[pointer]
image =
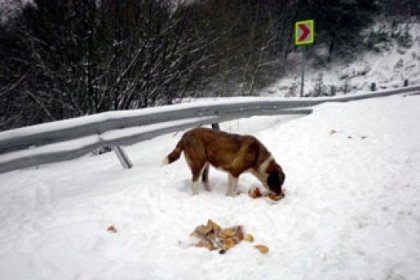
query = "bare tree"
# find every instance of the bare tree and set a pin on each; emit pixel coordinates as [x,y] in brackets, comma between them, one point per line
[83,56]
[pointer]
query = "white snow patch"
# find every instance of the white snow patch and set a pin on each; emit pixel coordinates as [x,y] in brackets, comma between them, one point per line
[352,209]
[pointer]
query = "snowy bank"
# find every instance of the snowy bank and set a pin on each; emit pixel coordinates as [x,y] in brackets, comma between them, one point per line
[388,69]
[352,209]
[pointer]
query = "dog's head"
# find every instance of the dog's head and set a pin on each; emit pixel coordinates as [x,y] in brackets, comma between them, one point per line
[275,177]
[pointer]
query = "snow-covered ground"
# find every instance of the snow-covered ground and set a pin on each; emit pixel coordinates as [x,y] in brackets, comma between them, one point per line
[388,69]
[352,209]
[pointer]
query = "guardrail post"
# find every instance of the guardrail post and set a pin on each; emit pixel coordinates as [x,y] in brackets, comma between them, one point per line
[122,156]
[215,126]
[333,90]
[373,87]
[346,87]
[405,83]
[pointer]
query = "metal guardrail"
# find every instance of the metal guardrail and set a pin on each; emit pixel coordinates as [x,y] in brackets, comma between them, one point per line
[14,144]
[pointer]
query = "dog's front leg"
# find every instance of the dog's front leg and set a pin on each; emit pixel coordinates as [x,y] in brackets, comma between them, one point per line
[232,185]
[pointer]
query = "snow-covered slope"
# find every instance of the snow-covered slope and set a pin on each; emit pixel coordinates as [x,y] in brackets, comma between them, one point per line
[352,209]
[388,69]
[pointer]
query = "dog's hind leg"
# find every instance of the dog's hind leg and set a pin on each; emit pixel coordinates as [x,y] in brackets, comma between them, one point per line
[205,177]
[194,186]
[197,172]
[232,185]
[195,156]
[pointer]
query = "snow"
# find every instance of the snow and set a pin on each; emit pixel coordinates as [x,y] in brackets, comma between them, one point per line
[388,69]
[9,8]
[352,209]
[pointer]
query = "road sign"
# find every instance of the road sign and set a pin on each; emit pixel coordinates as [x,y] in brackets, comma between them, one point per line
[304,32]
[304,35]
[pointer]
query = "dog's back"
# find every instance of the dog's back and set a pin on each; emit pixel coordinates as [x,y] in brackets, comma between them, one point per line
[230,152]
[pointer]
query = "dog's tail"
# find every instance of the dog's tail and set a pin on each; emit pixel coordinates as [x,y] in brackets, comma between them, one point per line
[174,155]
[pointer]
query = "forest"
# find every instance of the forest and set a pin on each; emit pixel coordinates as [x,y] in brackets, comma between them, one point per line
[68,58]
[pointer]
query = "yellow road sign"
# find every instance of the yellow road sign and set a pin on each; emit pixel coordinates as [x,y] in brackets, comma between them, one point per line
[304,32]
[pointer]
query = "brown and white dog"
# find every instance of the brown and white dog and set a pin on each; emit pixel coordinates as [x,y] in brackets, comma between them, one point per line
[232,153]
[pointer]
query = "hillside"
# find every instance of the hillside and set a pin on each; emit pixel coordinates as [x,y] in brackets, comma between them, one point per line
[388,67]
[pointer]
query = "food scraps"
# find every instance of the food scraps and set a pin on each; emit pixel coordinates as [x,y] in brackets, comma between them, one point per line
[273,197]
[112,229]
[248,237]
[213,237]
[262,248]
[255,193]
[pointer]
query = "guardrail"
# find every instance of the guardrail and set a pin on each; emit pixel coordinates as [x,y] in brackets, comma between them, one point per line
[68,139]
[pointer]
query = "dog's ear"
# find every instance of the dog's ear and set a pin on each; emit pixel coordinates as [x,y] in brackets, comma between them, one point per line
[273,167]
[275,180]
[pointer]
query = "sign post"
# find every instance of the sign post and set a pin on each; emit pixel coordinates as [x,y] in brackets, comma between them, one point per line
[304,35]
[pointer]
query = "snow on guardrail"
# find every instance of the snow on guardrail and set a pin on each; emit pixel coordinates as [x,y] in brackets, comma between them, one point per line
[67,139]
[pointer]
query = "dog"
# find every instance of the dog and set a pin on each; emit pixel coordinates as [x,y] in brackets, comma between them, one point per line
[232,153]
